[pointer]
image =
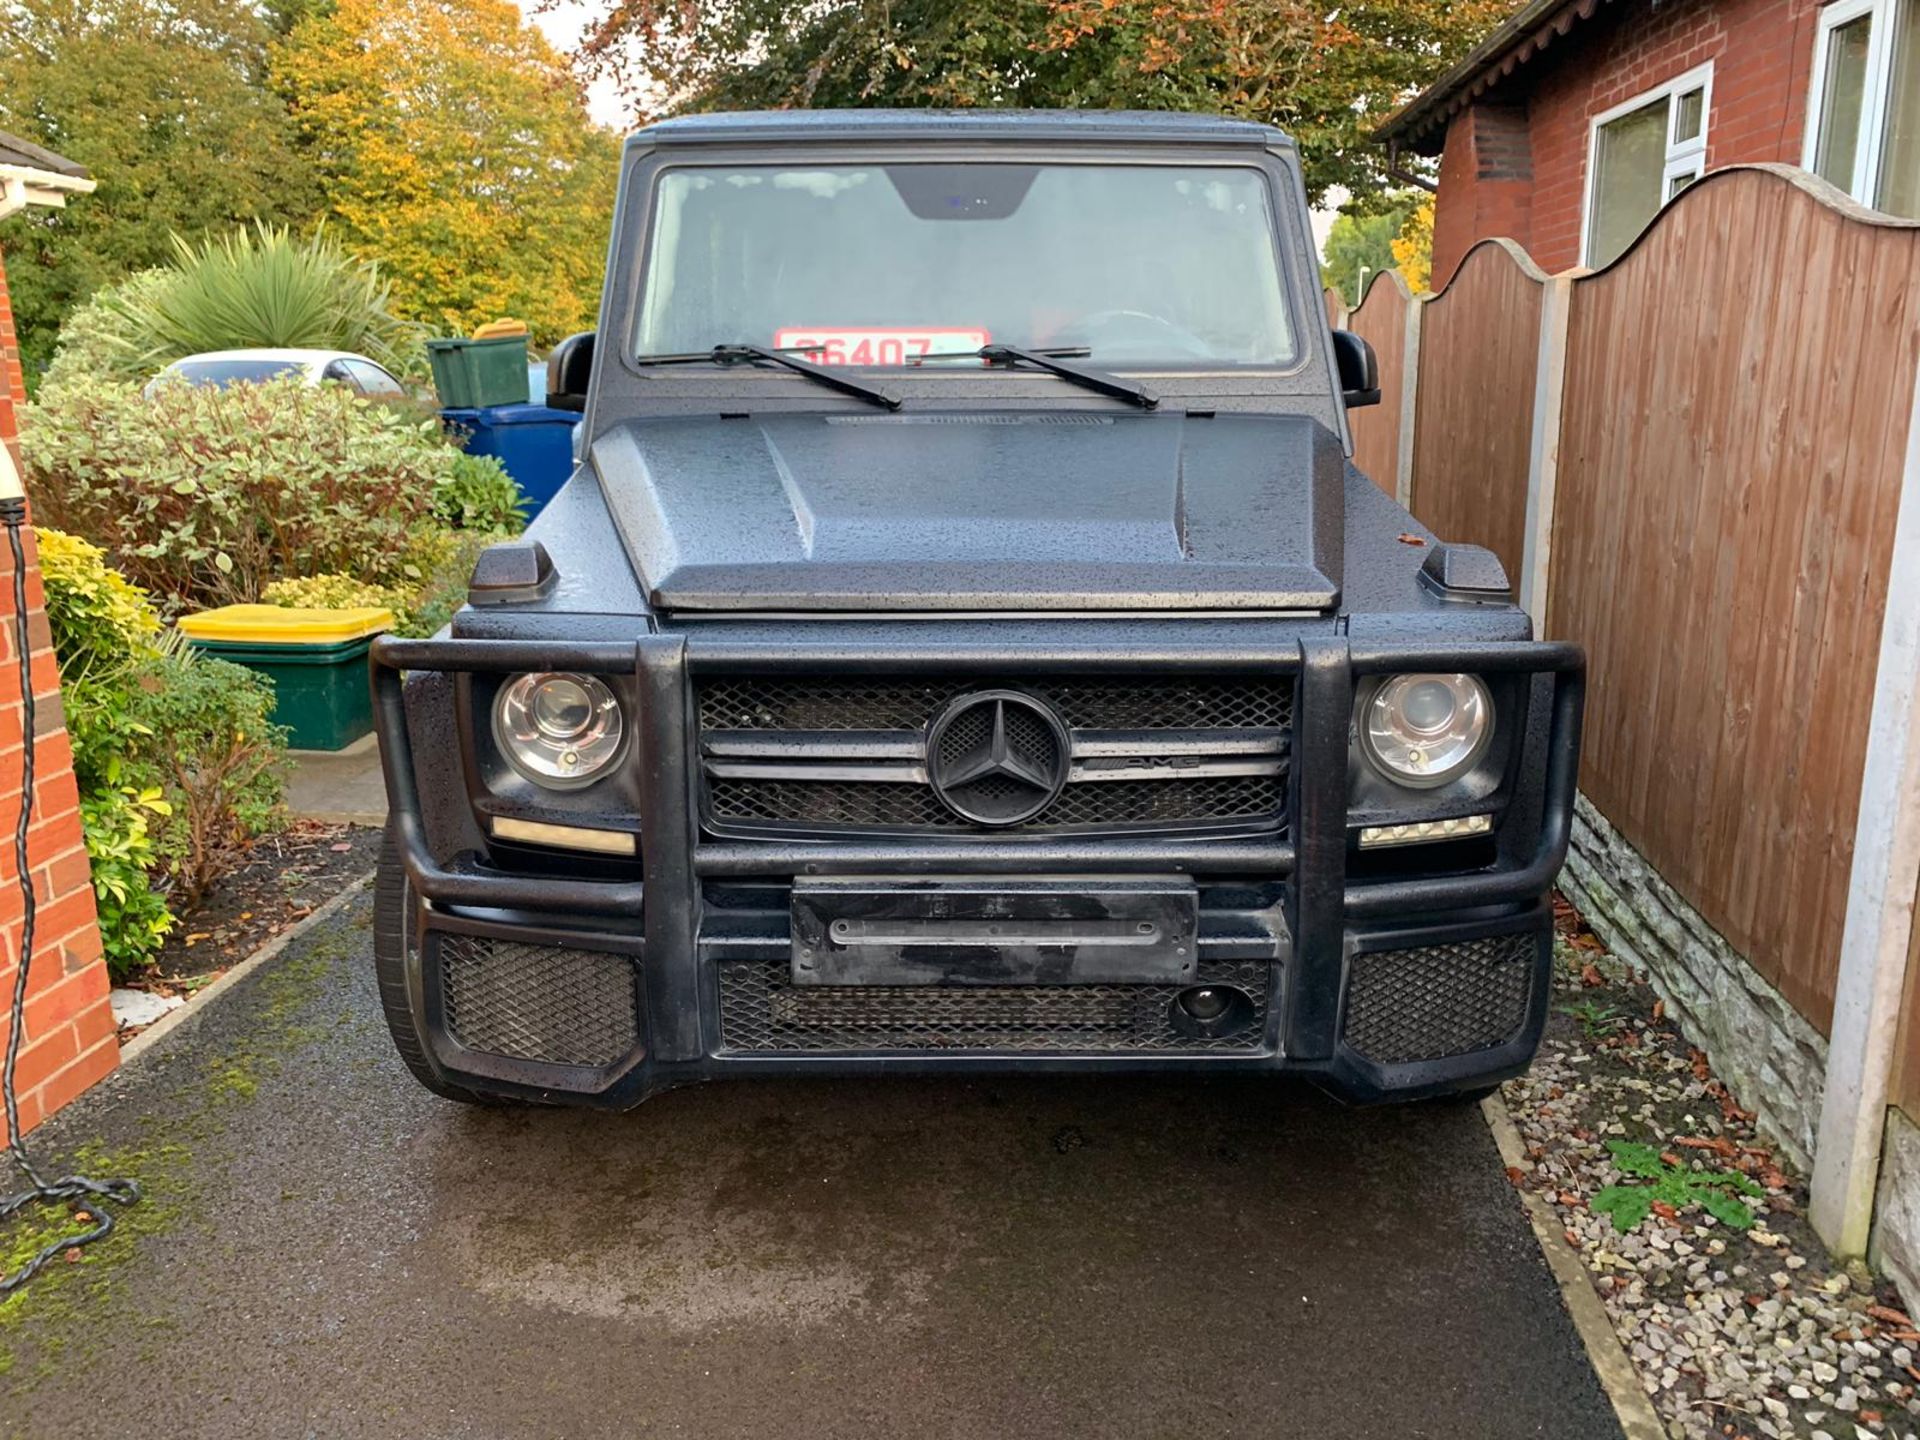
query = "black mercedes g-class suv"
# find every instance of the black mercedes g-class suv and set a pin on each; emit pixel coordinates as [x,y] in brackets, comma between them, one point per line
[966,645]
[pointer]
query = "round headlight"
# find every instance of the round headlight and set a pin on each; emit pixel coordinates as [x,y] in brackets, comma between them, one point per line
[1424,730]
[558,729]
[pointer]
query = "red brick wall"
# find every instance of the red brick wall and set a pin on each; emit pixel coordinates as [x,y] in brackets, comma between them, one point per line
[1762,54]
[68,1040]
[1486,183]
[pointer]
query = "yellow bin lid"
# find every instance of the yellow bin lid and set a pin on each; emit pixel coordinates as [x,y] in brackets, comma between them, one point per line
[284,625]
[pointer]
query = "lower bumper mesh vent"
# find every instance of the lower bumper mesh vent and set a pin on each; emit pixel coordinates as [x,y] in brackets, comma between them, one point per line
[761,1010]
[544,1003]
[1441,1000]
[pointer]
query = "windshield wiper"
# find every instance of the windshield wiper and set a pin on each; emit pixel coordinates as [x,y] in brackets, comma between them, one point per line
[746,354]
[1053,358]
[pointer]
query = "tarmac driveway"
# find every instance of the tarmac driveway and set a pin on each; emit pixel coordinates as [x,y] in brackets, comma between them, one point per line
[330,1251]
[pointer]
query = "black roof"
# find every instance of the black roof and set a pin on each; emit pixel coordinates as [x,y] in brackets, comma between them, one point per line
[1124,126]
[29,156]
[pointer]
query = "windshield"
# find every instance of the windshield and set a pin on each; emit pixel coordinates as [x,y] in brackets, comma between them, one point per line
[223,373]
[875,265]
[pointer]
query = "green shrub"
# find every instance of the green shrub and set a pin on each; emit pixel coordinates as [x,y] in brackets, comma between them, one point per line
[264,287]
[437,563]
[105,631]
[340,592]
[134,918]
[203,496]
[440,563]
[214,753]
[101,622]
[176,760]
[97,339]
[102,731]
[479,494]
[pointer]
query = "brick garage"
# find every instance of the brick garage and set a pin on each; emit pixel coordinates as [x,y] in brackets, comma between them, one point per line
[68,1039]
[1510,125]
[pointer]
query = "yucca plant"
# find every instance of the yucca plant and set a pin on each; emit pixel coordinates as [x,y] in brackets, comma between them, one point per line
[266,287]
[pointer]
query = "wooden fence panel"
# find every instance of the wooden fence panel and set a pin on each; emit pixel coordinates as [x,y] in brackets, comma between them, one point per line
[1336,308]
[1732,436]
[1381,320]
[1479,347]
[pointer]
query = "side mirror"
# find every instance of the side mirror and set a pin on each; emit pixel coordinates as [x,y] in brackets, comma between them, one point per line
[1359,369]
[570,372]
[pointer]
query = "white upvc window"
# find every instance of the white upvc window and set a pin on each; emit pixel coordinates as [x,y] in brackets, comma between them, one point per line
[1639,156]
[1863,106]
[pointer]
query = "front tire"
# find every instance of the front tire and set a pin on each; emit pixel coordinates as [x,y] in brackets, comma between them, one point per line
[393,905]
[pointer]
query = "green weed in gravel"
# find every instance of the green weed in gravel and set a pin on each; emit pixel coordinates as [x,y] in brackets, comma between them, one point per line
[1714,1191]
[1595,1019]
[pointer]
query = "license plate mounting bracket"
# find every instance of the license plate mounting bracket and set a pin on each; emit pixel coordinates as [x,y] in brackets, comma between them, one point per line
[964,930]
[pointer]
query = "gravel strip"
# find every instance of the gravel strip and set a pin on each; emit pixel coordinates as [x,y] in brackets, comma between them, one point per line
[1735,1332]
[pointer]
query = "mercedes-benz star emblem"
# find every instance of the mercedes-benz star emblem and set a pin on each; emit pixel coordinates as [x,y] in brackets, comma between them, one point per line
[998,757]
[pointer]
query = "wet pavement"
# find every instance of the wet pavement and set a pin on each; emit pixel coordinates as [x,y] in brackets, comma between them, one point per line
[339,785]
[332,1252]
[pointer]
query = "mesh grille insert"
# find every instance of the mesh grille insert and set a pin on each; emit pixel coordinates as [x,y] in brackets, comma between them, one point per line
[1162,703]
[1425,1004]
[1095,804]
[762,1011]
[828,802]
[538,1002]
[1142,802]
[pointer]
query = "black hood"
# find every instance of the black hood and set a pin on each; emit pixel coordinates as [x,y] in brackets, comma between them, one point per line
[994,511]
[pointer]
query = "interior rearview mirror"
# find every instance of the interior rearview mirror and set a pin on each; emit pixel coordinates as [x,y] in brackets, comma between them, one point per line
[569,371]
[1359,369]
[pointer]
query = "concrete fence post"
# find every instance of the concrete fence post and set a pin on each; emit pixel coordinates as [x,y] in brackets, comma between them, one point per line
[1878,932]
[1409,403]
[1543,450]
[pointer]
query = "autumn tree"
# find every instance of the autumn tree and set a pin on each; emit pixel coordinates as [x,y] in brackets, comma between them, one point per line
[1327,74]
[1360,246]
[455,149]
[165,102]
[1413,248]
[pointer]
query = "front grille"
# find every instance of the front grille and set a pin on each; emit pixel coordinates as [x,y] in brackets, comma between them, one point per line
[545,1003]
[762,1011]
[1159,726]
[1163,703]
[1441,1000]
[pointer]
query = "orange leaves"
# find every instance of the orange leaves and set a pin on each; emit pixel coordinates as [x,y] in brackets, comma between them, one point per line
[1753,1160]
[1413,248]
[459,155]
[1719,1144]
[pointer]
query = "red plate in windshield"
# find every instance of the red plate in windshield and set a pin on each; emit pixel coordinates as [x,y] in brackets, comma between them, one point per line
[865,346]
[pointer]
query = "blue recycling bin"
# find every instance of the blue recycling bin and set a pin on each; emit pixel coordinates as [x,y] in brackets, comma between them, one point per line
[534,442]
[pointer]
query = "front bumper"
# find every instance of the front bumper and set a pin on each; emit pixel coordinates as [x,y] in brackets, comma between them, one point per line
[1376,987]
